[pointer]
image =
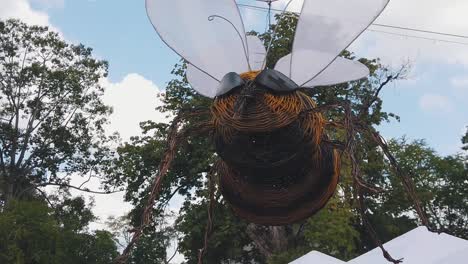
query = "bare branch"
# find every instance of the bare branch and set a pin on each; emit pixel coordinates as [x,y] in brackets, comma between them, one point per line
[63,185]
[173,255]
[209,223]
[390,78]
[85,182]
[45,197]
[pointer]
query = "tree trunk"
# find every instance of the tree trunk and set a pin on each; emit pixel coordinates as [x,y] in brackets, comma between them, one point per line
[271,240]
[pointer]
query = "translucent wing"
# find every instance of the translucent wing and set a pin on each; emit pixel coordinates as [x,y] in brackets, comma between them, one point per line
[201,82]
[208,86]
[340,71]
[325,29]
[257,53]
[207,33]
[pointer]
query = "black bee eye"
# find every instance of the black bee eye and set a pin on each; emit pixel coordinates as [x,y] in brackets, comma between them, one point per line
[229,82]
[276,81]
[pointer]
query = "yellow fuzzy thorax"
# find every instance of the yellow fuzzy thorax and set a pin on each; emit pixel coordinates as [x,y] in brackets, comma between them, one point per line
[249,76]
[269,113]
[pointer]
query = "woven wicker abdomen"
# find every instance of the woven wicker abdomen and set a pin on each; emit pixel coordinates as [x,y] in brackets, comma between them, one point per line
[275,169]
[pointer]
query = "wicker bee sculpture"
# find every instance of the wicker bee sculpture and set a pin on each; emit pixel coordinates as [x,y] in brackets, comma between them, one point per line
[275,167]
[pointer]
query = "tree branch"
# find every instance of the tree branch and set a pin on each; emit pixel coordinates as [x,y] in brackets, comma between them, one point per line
[62,185]
[45,197]
[32,118]
[173,255]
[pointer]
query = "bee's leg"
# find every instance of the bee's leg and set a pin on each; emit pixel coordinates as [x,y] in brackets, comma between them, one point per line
[407,181]
[344,147]
[369,227]
[352,125]
[176,137]
[209,223]
[350,149]
[321,109]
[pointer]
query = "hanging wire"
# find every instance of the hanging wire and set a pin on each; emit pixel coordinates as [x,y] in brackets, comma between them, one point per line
[422,31]
[268,16]
[418,37]
[274,34]
[267,22]
[263,9]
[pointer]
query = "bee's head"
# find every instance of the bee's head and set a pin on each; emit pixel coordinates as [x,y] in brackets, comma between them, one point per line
[250,84]
[247,92]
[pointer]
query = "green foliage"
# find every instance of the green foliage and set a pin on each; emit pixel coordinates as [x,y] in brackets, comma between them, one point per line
[465,140]
[27,233]
[229,241]
[30,233]
[440,182]
[332,230]
[289,256]
[152,247]
[51,111]
[282,41]
[51,127]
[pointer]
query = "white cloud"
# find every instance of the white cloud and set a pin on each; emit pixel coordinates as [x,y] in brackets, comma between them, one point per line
[461,82]
[460,87]
[22,9]
[435,103]
[443,16]
[49,3]
[294,6]
[134,100]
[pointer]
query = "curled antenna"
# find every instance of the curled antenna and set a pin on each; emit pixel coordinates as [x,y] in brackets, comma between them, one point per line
[274,33]
[246,52]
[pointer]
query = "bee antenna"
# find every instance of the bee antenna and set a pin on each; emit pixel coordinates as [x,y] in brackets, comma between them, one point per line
[274,34]
[246,53]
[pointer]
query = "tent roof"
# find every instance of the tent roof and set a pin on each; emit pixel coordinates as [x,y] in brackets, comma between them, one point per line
[317,257]
[419,246]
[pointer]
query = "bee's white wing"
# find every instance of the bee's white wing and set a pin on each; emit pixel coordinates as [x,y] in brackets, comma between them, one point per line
[207,33]
[201,82]
[208,86]
[340,71]
[257,53]
[325,28]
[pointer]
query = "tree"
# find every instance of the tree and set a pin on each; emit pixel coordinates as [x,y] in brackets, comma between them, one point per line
[465,140]
[51,112]
[32,232]
[440,182]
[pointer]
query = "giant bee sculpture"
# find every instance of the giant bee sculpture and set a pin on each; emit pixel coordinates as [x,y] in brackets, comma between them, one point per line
[275,167]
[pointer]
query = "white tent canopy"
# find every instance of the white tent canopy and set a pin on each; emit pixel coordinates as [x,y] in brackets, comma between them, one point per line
[317,257]
[418,246]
